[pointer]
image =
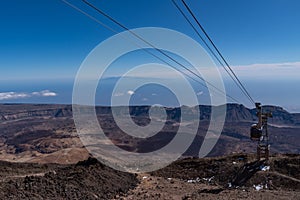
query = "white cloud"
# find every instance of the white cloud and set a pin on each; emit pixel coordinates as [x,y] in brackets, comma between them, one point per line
[199,93]
[44,93]
[118,94]
[130,92]
[13,95]
[47,93]
[21,95]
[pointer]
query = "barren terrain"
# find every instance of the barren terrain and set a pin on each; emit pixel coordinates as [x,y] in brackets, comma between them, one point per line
[46,133]
[43,157]
[189,178]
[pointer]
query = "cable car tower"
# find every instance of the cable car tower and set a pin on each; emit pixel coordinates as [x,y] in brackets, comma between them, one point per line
[259,132]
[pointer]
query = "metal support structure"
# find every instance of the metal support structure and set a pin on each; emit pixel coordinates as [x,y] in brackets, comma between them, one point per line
[263,146]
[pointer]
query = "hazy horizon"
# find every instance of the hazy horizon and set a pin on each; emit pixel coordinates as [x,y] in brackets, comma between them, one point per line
[60,92]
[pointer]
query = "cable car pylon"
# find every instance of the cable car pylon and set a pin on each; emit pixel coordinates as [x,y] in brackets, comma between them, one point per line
[259,132]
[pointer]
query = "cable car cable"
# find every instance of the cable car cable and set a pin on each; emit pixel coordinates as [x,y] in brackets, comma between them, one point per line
[203,30]
[113,30]
[206,44]
[159,50]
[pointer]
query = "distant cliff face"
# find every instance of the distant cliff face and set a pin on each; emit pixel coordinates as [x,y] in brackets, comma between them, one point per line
[235,112]
[22,111]
[59,112]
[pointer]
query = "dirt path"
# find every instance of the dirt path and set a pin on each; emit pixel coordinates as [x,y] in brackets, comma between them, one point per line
[285,176]
[152,187]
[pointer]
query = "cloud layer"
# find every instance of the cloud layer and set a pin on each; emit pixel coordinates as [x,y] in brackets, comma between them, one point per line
[22,95]
[267,70]
[270,71]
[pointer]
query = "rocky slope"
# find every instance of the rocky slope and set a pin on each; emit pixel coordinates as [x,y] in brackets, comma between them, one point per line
[212,178]
[88,179]
[189,178]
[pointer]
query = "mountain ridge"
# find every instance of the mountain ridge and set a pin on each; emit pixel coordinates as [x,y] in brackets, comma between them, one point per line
[235,112]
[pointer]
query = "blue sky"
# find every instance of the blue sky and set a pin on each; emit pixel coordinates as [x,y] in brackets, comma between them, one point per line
[43,41]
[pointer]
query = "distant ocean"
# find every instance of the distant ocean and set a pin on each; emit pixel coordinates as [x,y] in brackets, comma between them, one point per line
[280,93]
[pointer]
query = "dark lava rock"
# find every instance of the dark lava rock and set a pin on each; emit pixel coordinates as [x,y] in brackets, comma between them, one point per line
[85,180]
